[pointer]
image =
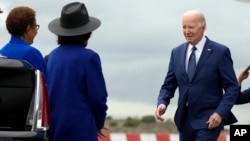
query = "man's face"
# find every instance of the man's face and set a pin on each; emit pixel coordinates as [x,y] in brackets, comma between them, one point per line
[193,30]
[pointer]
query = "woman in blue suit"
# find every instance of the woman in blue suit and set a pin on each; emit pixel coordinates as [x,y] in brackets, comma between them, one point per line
[77,91]
[23,28]
[202,70]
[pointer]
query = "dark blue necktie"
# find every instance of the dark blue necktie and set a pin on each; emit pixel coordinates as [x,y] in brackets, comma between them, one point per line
[191,64]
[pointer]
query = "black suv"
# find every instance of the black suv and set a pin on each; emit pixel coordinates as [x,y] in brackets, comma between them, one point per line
[24,105]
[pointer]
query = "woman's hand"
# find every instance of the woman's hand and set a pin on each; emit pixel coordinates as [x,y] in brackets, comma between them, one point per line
[243,75]
[103,132]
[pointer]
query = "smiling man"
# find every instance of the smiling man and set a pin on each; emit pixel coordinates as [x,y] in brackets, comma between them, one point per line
[203,72]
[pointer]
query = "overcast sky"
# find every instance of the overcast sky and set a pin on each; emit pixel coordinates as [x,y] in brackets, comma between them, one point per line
[135,40]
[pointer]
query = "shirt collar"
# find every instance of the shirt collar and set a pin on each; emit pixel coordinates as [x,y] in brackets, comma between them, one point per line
[199,46]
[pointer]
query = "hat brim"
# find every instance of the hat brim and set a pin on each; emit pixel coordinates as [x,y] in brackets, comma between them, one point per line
[56,28]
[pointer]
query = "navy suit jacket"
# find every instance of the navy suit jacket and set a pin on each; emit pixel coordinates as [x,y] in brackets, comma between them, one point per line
[213,88]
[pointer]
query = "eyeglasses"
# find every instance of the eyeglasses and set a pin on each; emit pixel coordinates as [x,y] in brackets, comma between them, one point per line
[37,26]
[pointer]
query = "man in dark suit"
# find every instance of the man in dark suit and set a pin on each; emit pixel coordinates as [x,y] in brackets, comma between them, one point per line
[207,89]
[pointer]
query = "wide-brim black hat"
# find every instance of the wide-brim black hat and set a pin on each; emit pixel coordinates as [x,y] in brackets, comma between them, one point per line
[74,21]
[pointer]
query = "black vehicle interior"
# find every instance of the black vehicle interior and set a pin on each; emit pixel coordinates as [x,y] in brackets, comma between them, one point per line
[16,90]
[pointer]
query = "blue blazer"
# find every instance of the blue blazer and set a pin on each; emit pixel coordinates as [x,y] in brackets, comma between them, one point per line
[17,48]
[213,88]
[77,93]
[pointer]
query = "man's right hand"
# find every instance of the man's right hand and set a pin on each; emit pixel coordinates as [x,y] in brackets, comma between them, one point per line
[160,110]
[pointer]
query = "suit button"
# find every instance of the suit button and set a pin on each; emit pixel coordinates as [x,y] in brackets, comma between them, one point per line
[190,85]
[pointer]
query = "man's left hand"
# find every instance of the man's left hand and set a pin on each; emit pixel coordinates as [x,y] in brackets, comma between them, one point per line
[214,120]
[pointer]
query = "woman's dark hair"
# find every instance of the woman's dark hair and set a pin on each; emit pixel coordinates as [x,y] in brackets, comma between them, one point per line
[79,39]
[18,19]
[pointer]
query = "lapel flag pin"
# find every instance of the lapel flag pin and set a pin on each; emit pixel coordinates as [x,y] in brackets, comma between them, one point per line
[208,49]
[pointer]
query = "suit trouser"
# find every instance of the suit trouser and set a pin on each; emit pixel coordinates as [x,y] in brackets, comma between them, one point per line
[187,133]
